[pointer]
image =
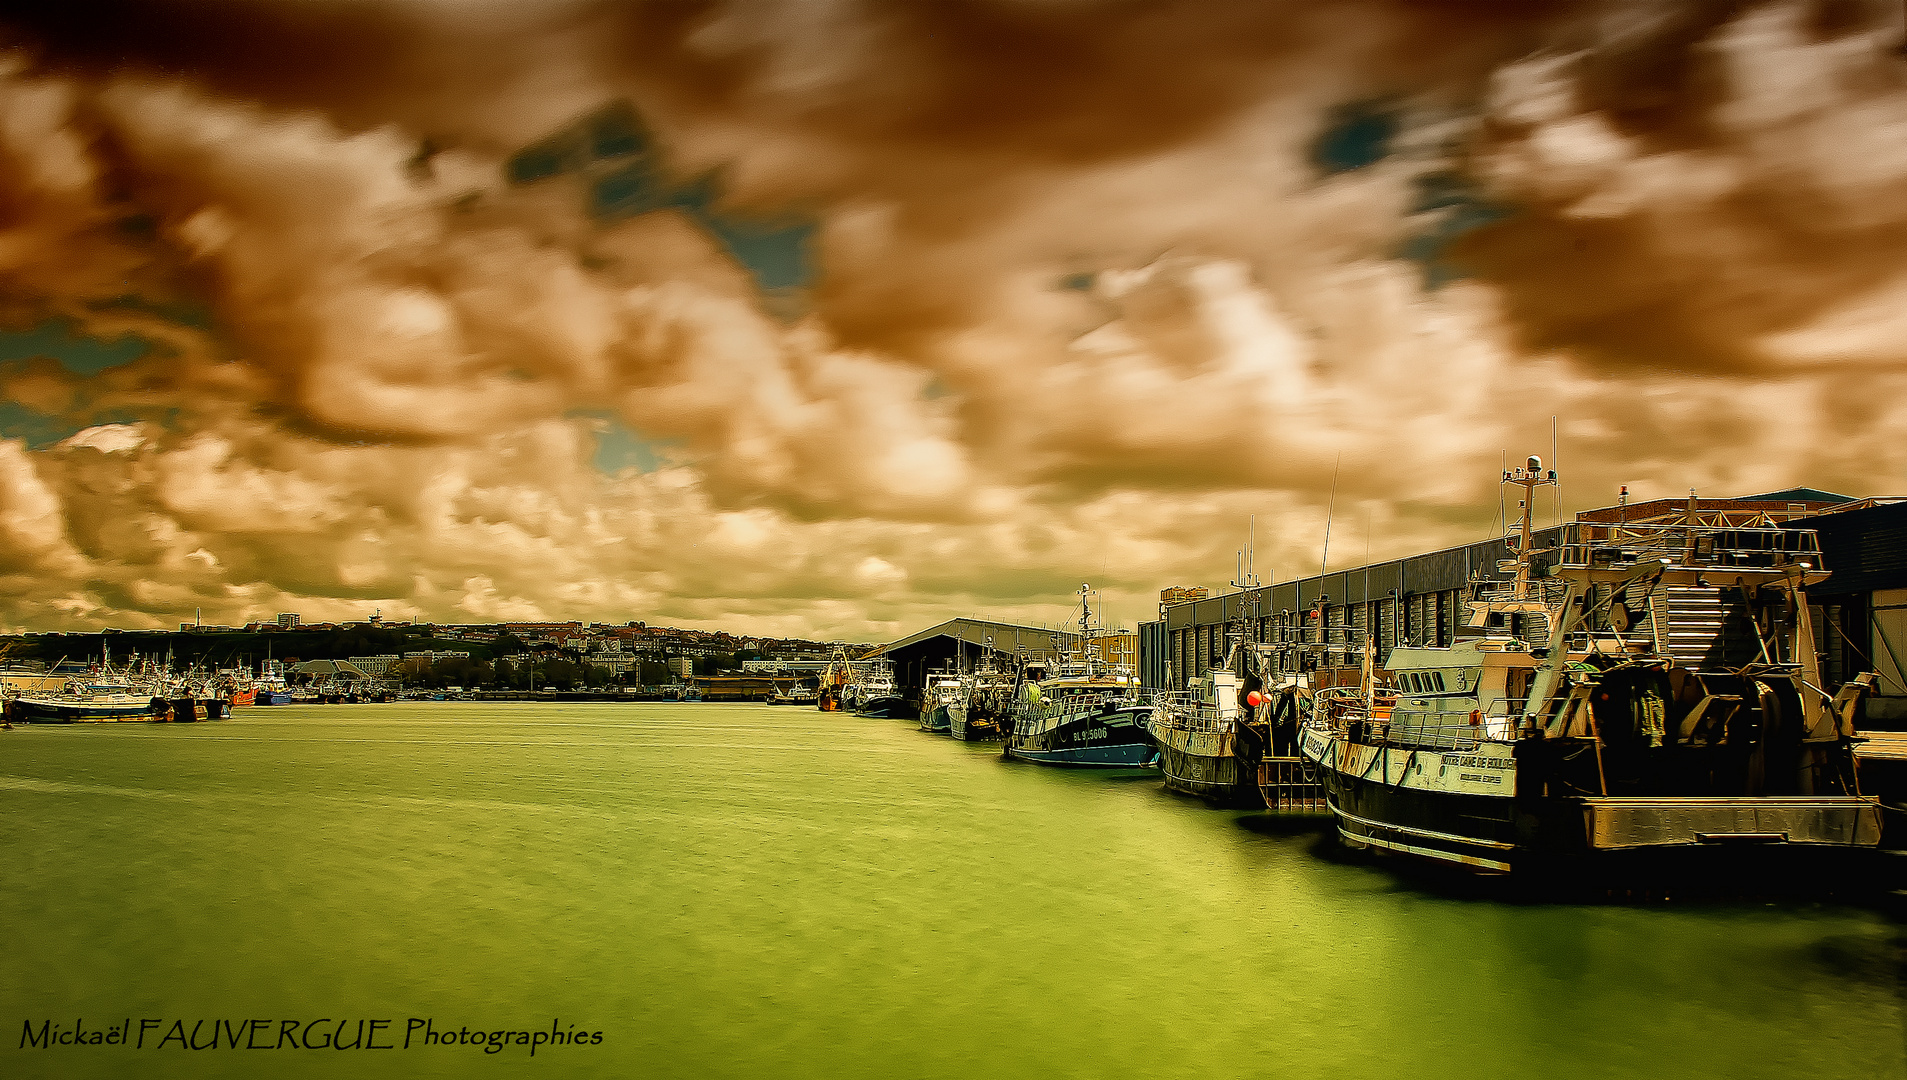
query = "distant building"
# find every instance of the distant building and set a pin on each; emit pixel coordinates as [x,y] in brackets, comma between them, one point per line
[287,620]
[1179,594]
[682,665]
[792,667]
[375,666]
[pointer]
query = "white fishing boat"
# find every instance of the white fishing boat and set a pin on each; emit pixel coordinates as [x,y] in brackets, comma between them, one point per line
[1636,693]
[943,692]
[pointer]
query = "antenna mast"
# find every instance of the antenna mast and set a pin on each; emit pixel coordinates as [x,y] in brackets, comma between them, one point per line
[1324,560]
[1529,478]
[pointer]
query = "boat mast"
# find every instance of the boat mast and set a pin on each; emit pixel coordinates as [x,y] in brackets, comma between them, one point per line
[1529,479]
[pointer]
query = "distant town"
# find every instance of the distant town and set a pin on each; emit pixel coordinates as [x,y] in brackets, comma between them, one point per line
[503,656]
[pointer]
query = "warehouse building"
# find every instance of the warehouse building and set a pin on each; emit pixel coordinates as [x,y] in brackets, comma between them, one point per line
[1861,609]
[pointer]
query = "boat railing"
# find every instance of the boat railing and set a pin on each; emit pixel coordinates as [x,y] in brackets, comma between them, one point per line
[1187,712]
[1614,545]
[1496,722]
[1049,706]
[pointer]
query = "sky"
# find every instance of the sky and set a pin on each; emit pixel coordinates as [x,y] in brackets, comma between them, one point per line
[837,318]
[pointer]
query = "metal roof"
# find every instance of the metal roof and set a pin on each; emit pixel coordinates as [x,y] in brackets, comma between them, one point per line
[1008,638]
[330,667]
[1799,494]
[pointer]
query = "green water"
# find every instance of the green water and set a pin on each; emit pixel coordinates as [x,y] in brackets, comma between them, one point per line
[744,891]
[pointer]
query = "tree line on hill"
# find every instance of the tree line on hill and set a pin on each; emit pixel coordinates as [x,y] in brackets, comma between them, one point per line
[485,667]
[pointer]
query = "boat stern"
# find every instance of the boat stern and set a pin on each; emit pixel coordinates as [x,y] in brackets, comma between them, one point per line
[1626,824]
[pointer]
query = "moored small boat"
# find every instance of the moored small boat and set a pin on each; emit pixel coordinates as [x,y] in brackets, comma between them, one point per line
[1208,745]
[1081,712]
[81,707]
[942,691]
[983,710]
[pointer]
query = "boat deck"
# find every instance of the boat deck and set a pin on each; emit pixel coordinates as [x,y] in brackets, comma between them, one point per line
[1883,746]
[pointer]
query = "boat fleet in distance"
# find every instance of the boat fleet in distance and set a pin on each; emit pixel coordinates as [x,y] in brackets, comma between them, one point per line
[145,691]
[1083,709]
[1559,732]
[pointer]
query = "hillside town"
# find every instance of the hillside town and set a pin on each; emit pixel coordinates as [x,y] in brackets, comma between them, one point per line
[396,655]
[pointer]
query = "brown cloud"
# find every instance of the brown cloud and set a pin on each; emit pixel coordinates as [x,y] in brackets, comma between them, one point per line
[1695,182]
[393,395]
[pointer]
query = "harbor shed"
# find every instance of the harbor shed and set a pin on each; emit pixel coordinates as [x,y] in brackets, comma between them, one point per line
[962,642]
[1419,599]
[1863,603]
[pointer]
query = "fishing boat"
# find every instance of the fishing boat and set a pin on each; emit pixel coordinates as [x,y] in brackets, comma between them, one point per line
[831,692]
[237,688]
[874,692]
[100,694]
[981,712]
[78,705]
[1082,711]
[1633,695]
[1208,743]
[271,688]
[944,690]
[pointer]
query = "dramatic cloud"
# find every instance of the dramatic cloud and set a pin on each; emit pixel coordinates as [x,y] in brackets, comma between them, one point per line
[839,318]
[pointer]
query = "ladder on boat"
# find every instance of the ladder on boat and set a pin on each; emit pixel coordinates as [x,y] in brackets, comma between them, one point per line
[1706,628]
[1290,786]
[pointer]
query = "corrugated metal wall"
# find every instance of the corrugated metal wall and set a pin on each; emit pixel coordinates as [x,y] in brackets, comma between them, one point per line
[1415,599]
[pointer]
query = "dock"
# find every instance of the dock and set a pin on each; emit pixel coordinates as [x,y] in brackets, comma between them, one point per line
[1880,764]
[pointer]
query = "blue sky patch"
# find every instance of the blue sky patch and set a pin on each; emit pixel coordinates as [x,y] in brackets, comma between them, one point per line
[1459,207]
[37,428]
[619,446]
[775,252]
[616,158]
[1358,135]
[77,353]
[41,430]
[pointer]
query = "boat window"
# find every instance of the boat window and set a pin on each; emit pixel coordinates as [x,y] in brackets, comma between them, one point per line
[1436,679]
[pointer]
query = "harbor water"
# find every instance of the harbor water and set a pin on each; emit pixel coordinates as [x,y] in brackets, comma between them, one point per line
[755,892]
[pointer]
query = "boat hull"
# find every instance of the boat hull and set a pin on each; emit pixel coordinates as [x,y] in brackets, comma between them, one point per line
[1097,739]
[886,706]
[970,725]
[1410,802]
[936,720]
[32,710]
[1212,765]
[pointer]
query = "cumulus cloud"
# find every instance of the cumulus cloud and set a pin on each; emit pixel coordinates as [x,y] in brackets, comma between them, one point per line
[1096,281]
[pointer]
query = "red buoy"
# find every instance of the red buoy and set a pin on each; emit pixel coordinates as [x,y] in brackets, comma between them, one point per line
[1254,699]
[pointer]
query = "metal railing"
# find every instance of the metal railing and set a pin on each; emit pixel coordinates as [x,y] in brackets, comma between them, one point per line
[1185,712]
[1339,710]
[1614,545]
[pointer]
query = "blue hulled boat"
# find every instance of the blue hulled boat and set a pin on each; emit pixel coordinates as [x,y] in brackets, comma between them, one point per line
[1084,711]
